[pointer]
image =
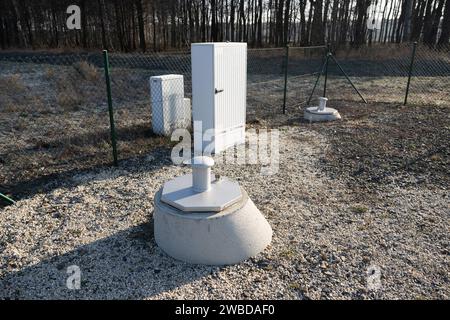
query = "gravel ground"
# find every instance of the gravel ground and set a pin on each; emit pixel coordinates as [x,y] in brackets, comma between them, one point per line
[330,232]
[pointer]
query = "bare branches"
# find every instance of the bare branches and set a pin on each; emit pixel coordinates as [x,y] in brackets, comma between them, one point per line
[171,24]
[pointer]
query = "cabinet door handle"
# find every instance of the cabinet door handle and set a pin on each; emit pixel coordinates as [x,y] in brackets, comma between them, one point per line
[218,91]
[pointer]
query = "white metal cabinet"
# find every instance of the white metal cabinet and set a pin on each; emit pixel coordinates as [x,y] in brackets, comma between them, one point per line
[219,90]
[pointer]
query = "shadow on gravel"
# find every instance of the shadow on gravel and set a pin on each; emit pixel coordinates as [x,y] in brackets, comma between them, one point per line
[153,160]
[125,265]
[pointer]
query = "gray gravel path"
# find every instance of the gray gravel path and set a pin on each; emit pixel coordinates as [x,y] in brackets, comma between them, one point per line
[324,242]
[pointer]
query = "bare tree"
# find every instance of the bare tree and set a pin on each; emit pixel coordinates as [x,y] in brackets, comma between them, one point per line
[445,32]
[163,24]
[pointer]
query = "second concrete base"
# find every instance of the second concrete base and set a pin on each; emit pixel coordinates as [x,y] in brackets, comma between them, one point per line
[313,114]
[213,238]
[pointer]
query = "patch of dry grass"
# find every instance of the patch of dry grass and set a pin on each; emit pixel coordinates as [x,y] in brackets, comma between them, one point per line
[11,84]
[376,52]
[87,70]
[12,92]
[359,209]
[423,90]
[69,100]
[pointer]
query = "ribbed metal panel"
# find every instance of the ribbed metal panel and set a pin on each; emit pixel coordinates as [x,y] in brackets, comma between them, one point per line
[230,76]
[219,89]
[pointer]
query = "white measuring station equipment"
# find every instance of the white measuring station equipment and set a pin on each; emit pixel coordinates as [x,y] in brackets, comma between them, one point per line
[199,217]
[321,112]
[219,93]
[170,109]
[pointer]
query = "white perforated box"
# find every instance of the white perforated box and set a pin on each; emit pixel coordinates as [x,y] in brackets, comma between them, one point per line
[169,108]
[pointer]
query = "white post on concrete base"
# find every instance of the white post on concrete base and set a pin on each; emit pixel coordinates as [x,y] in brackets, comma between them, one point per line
[201,173]
[322,103]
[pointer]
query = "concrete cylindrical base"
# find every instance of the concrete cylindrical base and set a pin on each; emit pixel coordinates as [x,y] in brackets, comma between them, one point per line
[213,238]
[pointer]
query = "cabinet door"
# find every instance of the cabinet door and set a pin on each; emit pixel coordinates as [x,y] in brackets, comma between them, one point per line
[230,67]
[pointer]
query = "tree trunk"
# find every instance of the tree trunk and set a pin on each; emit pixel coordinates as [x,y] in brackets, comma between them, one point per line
[333,22]
[155,46]
[260,7]
[309,25]
[317,35]
[303,37]
[361,21]
[325,19]
[408,20]
[445,32]
[437,14]
[140,16]
[203,20]
[401,22]
[242,21]
[232,18]
[213,21]
[286,22]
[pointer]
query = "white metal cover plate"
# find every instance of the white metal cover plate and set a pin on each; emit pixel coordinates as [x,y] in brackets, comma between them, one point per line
[179,194]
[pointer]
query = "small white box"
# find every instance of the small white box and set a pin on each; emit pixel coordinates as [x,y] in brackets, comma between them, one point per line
[169,109]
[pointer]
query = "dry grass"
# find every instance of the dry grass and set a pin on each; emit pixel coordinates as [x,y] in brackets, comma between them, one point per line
[50,73]
[375,52]
[69,100]
[88,71]
[423,90]
[11,92]
[359,209]
[11,84]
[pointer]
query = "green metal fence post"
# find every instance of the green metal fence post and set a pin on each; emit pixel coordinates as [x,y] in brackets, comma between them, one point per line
[411,65]
[326,72]
[286,62]
[110,108]
[7,199]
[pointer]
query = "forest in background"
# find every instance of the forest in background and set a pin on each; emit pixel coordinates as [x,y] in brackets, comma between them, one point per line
[155,25]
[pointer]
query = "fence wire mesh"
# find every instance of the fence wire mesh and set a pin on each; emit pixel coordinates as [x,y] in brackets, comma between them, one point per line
[380,73]
[52,117]
[265,82]
[304,65]
[140,107]
[430,81]
[54,111]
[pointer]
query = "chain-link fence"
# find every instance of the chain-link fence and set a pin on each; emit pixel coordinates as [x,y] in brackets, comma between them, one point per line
[52,116]
[265,82]
[380,72]
[304,65]
[54,107]
[430,81]
[146,103]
